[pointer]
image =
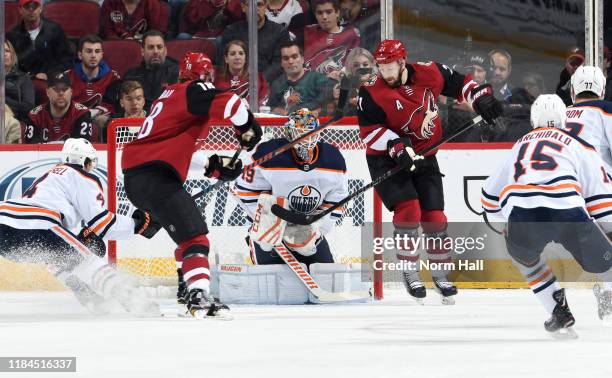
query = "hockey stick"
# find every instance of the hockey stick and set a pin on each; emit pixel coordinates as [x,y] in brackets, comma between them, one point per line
[311,285]
[303,219]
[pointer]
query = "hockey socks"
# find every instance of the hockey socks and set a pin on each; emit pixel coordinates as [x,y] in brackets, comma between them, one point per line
[542,282]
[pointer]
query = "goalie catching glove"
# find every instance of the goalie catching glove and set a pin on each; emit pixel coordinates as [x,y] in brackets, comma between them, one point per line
[301,239]
[249,134]
[145,224]
[219,167]
[400,150]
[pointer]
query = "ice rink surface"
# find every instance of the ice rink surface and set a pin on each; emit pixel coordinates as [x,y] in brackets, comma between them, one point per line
[488,333]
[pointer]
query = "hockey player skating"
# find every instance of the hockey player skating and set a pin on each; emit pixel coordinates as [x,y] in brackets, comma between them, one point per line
[311,176]
[155,167]
[590,119]
[398,115]
[553,187]
[36,228]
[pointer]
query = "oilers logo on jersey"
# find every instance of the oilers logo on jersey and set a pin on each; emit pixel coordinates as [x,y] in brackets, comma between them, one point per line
[304,199]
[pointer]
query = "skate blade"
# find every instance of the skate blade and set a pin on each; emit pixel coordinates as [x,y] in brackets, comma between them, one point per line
[419,301]
[221,314]
[565,334]
[448,301]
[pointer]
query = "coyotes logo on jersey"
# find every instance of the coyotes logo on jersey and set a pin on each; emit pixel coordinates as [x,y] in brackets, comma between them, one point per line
[425,115]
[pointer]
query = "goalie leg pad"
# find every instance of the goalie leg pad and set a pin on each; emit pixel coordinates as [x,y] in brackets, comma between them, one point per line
[258,284]
[301,239]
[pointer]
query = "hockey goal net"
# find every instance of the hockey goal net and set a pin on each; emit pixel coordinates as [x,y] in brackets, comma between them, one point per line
[152,261]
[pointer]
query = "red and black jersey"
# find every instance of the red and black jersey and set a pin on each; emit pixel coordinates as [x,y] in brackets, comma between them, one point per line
[326,52]
[240,86]
[177,119]
[116,23]
[76,123]
[411,110]
[91,93]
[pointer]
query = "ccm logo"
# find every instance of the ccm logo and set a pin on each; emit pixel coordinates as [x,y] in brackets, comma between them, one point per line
[256,218]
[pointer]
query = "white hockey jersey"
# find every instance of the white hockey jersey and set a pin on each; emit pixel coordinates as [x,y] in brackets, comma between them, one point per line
[66,196]
[308,187]
[591,121]
[549,168]
[285,13]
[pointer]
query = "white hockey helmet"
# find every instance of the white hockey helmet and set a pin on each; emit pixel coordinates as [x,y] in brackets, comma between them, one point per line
[548,110]
[77,151]
[588,79]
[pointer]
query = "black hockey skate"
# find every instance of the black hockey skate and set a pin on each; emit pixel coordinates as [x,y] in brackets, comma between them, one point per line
[181,293]
[446,289]
[561,322]
[201,304]
[414,286]
[604,304]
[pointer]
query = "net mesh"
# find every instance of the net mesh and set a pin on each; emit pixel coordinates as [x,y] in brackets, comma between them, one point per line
[152,261]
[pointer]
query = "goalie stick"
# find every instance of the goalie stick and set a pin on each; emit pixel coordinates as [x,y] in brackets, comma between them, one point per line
[310,283]
[303,219]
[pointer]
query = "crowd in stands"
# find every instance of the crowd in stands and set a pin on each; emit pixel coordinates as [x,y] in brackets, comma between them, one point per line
[67,77]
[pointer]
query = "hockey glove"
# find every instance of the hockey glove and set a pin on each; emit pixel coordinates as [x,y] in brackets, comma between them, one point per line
[401,152]
[219,168]
[485,104]
[92,241]
[249,134]
[146,224]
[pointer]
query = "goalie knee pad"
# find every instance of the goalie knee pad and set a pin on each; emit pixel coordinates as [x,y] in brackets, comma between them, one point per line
[407,214]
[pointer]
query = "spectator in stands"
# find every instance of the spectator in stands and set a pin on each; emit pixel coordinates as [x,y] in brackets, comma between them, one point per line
[129,19]
[297,88]
[270,36]
[359,67]
[41,44]
[156,70]
[234,73]
[534,85]
[477,65]
[292,14]
[132,102]
[573,60]
[501,66]
[60,118]
[327,44]
[207,18]
[608,72]
[365,16]
[94,83]
[12,127]
[18,89]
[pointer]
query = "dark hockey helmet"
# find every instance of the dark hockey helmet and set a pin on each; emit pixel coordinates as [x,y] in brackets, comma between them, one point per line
[389,51]
[196,66]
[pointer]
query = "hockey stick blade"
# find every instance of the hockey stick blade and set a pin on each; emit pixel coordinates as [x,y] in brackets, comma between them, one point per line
[303,220]
[310,283]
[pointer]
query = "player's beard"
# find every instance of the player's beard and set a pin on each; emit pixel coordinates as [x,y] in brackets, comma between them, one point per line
[399,81]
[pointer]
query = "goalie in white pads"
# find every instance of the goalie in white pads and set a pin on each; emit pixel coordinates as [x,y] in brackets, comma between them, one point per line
[36,229]
[552,188]
[311,176]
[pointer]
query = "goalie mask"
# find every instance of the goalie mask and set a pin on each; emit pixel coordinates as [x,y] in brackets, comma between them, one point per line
[79,151]
[300,122]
